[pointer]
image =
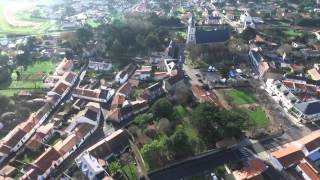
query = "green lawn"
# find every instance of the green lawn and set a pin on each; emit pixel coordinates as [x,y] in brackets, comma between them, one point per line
[240,97]
[259,117]
[40,66]
[130,171]
[93,23]
[293,33]
[31,78]
[6,28]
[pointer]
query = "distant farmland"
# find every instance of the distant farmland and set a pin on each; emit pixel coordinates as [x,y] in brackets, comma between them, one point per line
[12,21]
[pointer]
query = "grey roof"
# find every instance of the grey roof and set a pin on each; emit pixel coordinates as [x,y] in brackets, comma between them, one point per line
[309,108]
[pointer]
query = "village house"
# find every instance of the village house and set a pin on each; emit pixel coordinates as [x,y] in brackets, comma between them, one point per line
[307,111]
[204,96]
[99,66]
[293,153]
[65,66]
[127,87]
[126,73]
[258,63]
[93,161]
[144,73]
[281,94]
[42,135]
[102,95]
[174,82]
[128,110]
[253,169]
[152,92]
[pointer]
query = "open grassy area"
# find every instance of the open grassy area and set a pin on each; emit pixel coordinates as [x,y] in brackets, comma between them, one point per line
[7,28]
[292,34]
[31,78]
[240,97]
[40,66]
[259,117]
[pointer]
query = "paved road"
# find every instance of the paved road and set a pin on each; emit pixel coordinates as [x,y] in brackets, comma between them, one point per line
[196,165]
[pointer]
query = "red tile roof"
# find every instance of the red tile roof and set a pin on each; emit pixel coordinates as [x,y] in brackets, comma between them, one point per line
[311,141]
[289,155]
[60,88]
[309,171]
[47,159]
[117,101]
[69,76]
[205,96]
[253,171]
[87,92]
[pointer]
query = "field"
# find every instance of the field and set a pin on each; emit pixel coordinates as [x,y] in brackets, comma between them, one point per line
[246,102]
[240,97]
[31,78]
[16,19]
[292,34]
[259,117]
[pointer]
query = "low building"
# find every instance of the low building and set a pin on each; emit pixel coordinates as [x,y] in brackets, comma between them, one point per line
[281,94]
[152,92]
[144,73]
[126,73]
[174,82]
[293,153]
[258,63]
[204,96]
[92,161]
[314,74]
[253,169]
[99,66]
[102,95]
[65,66]
[307,111]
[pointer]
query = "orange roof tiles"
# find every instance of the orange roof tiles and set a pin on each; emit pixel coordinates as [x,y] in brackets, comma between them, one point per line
[289,155]
[253,171]
[47,158]
[67,144]
[309,171]
[311,141]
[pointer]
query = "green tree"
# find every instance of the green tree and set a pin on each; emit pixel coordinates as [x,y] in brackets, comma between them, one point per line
[248,34]
[143,119]
[155,153]
[204,119]
[115,167]
[162,108]
[180,144]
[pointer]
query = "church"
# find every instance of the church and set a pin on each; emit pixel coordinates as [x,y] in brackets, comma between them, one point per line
[199,36]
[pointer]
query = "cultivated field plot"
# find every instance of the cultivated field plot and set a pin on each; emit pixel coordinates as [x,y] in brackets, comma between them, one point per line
[15,18]
[244,100]
[30,78]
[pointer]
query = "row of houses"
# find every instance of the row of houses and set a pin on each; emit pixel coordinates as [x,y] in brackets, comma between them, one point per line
[77,132]
[302,155]
[295,98]
[25,130]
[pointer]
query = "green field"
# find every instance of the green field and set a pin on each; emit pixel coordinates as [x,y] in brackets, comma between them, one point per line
[259,117]
[240,97]
[31,78]
[292,34]
[40,66]
[6,28]
[130,171]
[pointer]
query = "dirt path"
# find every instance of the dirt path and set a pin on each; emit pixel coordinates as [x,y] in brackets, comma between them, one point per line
[222,100]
